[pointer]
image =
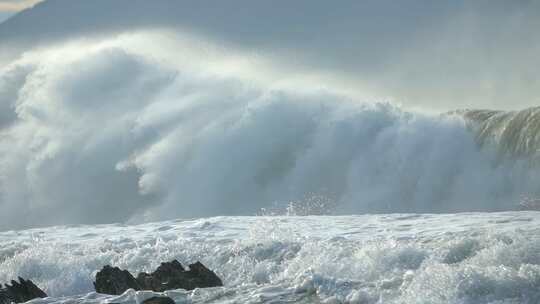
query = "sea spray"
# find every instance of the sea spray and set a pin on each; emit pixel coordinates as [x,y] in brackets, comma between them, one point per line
[119,130]
[515,134]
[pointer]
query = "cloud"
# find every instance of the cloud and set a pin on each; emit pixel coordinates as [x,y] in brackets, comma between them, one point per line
[16,5]
[123,129]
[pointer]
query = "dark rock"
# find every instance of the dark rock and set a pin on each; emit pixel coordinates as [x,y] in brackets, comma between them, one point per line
[114,281]
[163,278]
[202,277]
[159,300]
[173,276]
[20,292]
[167,276]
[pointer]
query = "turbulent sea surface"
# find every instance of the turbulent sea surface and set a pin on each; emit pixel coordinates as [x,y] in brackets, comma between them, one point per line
[401,258]
[102,122]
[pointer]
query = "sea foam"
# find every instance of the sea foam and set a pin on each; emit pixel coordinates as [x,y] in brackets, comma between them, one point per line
[453,258]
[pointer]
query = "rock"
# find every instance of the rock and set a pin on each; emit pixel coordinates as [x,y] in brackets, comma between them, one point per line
[173,276]
[114,281]
[159,300]
[167,276]
[20,292]
[164,278]
[202,277]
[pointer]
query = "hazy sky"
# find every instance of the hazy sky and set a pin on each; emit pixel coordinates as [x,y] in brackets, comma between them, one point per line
[5,15]
[432,55]
[16,5]
[9,7]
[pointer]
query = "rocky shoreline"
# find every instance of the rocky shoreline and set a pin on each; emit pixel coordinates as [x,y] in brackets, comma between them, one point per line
[115,281]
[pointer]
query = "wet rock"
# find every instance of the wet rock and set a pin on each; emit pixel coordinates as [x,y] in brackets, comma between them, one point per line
[200,277]
[173,276]
[114,281]
[168,276]
[20,292]
[164,278]
[159,300]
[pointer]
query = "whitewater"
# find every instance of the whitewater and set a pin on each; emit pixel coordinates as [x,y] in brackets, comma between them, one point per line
[117,130]
[324,195]
[399,258]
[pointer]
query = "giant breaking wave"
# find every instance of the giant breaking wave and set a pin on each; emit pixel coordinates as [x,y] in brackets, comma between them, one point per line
[123,130]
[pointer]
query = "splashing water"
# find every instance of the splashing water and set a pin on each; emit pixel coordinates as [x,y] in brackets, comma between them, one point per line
[515,133]
[122,131]
[468,258]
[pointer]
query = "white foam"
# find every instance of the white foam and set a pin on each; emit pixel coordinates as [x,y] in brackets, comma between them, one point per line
[120,129]
[454,258]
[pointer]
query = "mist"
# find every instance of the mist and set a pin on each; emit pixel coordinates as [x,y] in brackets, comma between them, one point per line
[424,55]
[116,129]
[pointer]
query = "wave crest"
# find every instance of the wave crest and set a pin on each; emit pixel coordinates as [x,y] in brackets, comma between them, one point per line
[117,132]
[515,133]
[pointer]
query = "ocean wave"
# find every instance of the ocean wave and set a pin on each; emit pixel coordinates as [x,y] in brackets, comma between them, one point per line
[119,131]
[514,133]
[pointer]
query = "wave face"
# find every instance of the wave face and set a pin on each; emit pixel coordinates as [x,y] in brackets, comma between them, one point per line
[118,130]
[515,133]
